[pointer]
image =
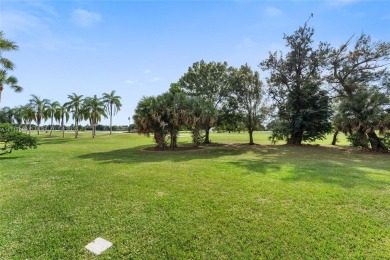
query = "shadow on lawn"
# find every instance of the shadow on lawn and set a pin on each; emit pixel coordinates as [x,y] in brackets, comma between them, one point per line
[287,163]
[54,140]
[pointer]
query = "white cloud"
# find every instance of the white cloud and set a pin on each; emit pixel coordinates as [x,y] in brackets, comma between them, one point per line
[85,18]
[273,11]
[147,71]
[21,21]
[130,82]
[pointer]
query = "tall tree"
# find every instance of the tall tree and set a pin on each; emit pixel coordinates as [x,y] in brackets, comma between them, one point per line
[93,109]
[200,112]
[62,115]
[75,105]
[149,120]
[17,113]
[247,94]
[208,81]
[113,105]
[39,106]
[50,111]
[6,115]
[7,65]
[359,78]
[28,116]
[294,84]
[175,113]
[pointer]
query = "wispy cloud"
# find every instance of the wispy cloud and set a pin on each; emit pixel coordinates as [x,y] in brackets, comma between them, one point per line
[130,82]
[273,11]
[147,71]
[85,18]
[22,21]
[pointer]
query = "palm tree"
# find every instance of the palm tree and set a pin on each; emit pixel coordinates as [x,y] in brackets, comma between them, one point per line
[39,105]
[148,118]
[62,115]
[50,112]
[28,116]
[17,113]
[201,114]
[94,110]
[113,105]
[6,65]
[75,105]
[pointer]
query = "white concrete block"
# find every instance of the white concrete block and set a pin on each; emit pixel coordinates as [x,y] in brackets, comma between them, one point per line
[98,246]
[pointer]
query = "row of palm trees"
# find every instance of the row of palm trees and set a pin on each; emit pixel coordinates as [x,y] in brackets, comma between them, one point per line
[91,109]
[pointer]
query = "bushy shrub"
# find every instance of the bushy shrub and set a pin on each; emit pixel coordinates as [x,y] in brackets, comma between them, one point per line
[11,139]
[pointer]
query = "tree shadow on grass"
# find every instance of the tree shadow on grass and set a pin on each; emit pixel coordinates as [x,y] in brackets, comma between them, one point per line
[7,158]
[54,140]
[346,168]
[287,163]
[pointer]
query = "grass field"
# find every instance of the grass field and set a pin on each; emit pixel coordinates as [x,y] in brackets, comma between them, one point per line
[216,202]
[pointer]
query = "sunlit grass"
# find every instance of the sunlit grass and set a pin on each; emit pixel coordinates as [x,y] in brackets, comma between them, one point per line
[221,201]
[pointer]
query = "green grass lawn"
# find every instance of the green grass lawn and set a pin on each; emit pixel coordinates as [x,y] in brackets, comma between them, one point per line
[216,202]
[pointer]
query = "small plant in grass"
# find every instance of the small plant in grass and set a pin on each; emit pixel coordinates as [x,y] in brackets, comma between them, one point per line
[10,139]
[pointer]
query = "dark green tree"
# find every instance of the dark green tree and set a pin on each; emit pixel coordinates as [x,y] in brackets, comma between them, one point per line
[200,113]
[359,78]
[246,92]
[209,81]
[148,119]
[295,85]
[6,115]
[11,139]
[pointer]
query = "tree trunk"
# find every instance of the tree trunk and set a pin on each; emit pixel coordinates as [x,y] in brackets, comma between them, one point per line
[334,141]
[363,141]
[160,140]
[251,137]
[110,118]
[296,138]
[76,123]
[51,126]
[173,143]
[93,130]
[207,137]
[376,142]
[1,90]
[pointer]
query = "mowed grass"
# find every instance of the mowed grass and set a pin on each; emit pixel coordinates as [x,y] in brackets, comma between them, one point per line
[216,202]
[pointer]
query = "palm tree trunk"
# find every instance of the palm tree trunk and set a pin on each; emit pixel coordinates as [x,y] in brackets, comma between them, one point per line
[62,126]
[110,118]
[76,123]
[51,127]
[29,127]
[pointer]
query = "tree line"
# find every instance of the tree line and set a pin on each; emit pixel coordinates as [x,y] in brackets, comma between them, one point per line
[91,109]
[314,90]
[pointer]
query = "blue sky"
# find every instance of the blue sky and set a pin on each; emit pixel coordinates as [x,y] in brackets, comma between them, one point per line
[139,47]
